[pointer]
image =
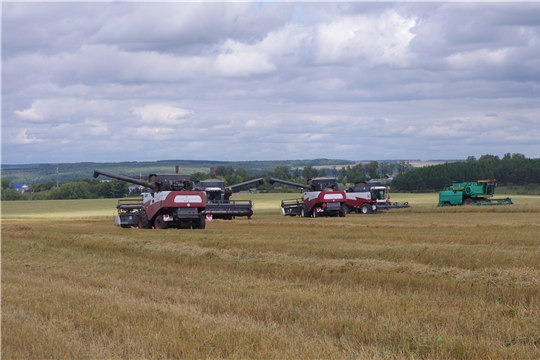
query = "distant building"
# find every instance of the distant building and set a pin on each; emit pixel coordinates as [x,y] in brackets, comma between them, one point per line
[20,187]
[133,187]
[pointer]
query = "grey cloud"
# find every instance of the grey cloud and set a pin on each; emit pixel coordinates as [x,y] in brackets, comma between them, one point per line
[192,28]
[84,82]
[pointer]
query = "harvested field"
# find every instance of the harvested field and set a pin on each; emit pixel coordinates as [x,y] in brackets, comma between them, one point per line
[424,282]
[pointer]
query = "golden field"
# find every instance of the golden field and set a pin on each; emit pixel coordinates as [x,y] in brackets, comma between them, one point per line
[419,283]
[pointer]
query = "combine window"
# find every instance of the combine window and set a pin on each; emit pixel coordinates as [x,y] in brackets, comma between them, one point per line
[213,196]
[377,194]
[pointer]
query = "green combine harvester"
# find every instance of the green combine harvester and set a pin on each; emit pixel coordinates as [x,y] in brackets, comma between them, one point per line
[471,193]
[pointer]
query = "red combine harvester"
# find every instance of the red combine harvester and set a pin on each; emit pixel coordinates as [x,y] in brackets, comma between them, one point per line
[218,205]
[370,197]
[172,203]
[322,198]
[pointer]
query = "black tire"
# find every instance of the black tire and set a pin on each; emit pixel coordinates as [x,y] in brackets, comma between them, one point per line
[467,201]
[447,204]
[365,209]
[342,211]
[144,223]
[160,224]
[303,211]
[314,212]
[202,222]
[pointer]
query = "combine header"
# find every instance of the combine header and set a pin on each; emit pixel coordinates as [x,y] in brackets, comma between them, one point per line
[172,203]
[471,193]
[218,205]
[322,198]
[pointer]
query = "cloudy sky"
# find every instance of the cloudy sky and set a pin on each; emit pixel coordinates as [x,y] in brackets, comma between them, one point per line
[268,81]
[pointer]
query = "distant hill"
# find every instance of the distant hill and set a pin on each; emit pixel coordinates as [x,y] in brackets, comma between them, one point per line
[41,173]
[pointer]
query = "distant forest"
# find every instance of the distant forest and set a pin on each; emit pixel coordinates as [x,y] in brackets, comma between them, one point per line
[512,169]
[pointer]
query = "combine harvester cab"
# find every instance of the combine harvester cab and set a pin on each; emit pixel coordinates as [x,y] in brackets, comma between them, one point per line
[471,193]
[322,198]
[171,203]
[218,205]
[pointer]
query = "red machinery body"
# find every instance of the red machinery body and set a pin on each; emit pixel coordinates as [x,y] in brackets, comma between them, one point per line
[322,199]
[324,202]
[368,198]
[360,202]
[172,200]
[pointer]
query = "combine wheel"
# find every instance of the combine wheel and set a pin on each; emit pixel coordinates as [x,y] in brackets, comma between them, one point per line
[342,211]
[447,204]
[365,209]
[303,211]
[159,223]
[144,223]
[314,212]
[202,222]
[467,201]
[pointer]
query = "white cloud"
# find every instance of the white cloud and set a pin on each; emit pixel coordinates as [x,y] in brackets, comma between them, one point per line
[161,114]
[32,114]
[478,58]
[96,127]
[154,133]
[243,62]
[382,39]
[22,137]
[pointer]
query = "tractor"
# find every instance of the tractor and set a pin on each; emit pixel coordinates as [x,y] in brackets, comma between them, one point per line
[218,205]
[171,203]
[321,198]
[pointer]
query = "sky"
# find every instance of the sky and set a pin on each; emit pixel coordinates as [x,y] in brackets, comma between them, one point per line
[140,81]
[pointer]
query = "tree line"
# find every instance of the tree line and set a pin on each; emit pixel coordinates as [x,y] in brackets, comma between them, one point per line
[97,188]
[82,189]
[512,169]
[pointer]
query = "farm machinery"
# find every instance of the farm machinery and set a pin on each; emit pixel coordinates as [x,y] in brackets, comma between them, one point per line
[218,205]
[322,198]
[171,203]
[471,193]
[370,197]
